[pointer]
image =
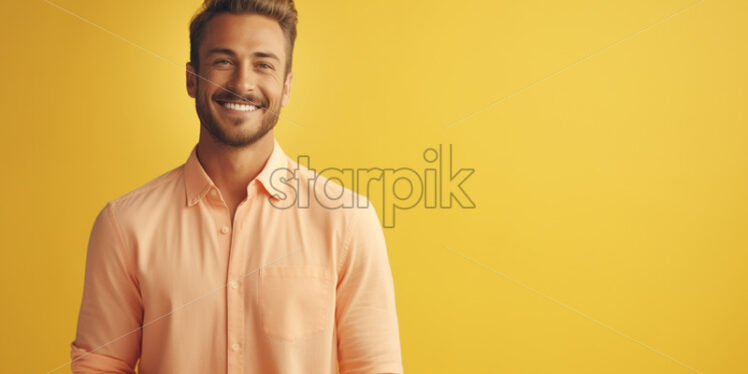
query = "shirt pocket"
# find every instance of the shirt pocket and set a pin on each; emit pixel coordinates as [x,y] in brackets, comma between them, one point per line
[295,301]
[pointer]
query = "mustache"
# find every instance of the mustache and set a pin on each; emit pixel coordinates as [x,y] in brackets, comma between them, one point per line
[249,99]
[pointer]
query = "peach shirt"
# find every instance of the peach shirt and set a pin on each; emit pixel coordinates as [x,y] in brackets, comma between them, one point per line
[285,289]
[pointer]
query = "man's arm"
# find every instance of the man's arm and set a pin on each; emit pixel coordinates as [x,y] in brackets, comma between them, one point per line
[111,312]
[365,315]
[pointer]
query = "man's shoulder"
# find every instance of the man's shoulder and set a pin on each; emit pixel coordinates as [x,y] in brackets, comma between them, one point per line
[329,194]
[148,196]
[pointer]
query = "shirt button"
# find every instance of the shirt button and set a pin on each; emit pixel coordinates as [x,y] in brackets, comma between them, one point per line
[213,192]
[235,347]
[225,229]
[233,284]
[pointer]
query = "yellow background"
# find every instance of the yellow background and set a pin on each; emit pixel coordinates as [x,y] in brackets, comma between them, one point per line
[610,228]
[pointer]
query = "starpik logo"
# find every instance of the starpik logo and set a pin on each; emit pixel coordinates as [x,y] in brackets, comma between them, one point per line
[437,186]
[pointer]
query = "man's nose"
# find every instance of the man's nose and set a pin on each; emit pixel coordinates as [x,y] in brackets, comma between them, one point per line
[244,79]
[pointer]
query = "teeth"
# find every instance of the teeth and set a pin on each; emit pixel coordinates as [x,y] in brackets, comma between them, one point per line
[240,107]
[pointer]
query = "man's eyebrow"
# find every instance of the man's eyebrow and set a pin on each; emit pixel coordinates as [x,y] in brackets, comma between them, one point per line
[266,54]
[232,53]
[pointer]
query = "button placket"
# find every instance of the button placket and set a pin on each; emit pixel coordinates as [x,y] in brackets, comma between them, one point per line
[234,300]
[235,338]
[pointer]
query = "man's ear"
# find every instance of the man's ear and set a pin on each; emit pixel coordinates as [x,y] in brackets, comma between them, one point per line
[287,89]
[191,80]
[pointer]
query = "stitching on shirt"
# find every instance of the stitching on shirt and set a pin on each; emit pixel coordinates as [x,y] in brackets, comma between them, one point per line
[115,223]
[346,244]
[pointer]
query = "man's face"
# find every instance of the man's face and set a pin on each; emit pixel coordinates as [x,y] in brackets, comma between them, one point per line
[242,61]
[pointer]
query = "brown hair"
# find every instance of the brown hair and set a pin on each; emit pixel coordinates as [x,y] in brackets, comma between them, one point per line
[282,11]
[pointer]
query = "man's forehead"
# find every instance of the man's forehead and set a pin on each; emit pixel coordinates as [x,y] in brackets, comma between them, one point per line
[243,31]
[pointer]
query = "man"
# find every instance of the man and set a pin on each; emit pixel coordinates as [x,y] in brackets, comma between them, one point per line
[207,268]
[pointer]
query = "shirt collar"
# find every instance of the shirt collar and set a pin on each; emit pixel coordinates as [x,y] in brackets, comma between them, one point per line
[197,182]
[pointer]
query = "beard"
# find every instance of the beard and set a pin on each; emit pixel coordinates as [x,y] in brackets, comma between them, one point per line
[269,112]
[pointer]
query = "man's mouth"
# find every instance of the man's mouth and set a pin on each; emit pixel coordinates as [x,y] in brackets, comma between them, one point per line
[239,106]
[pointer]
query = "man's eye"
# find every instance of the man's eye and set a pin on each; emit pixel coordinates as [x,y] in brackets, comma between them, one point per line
[265,66]
[223,62]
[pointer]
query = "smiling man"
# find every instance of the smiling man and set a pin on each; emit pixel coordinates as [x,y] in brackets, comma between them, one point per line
[200,271]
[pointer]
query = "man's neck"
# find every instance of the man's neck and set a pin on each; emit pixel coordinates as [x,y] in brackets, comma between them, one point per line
[231,168]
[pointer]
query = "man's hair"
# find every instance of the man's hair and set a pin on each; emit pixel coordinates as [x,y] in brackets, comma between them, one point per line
[282,11]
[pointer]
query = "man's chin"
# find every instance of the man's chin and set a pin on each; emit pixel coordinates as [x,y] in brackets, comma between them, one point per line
[236,131]
[239,137]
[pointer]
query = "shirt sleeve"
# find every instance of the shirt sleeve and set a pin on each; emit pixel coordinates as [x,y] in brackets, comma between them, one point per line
[111,313]
[365,314]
